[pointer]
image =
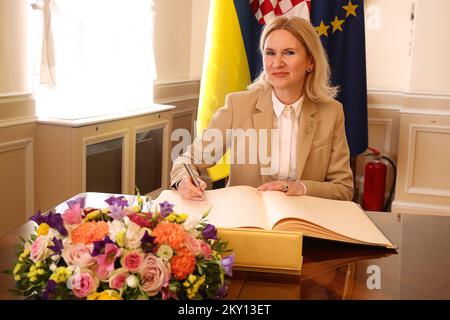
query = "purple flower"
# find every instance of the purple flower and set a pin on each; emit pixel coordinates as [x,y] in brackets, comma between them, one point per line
[222,292]
[49,290]
[117,212]
[38,217]
[119,201]
[55,221]
[147,242]
[80,200]
[210,232]
[100,245]
[227,264]
[57,245]
[166,208]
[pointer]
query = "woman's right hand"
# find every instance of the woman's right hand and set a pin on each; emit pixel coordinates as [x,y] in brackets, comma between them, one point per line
[189,191]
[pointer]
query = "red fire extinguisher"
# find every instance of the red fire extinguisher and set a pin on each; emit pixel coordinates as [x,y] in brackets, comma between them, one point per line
[375,183]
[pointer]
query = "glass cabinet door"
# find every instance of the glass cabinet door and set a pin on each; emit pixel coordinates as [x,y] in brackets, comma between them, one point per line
[149,151]
[104,166]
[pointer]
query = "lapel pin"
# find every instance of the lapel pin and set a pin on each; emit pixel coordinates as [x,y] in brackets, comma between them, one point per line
[308,128]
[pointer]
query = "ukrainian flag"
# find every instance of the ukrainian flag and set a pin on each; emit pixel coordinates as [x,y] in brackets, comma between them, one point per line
[232,61]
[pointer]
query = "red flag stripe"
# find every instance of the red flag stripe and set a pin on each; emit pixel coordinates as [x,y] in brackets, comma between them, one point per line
[268,8]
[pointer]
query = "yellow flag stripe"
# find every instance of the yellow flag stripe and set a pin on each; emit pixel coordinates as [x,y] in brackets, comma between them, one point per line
[225,69]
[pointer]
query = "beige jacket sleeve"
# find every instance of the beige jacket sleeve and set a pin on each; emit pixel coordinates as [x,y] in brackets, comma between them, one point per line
[201,153]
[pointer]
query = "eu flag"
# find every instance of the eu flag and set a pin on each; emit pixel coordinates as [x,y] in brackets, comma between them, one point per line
[340,25]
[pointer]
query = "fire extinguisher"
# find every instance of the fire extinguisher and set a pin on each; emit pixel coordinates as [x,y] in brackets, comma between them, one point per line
[375,182]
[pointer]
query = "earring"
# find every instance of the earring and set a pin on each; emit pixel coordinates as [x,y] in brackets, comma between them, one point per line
[309,69]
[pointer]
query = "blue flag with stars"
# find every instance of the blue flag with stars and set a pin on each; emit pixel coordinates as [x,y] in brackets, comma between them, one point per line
[340,24]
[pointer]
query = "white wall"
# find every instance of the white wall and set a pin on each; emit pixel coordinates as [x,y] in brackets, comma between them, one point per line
[173,39]
[430,70]
[15,58]
[388,39]
[200,10]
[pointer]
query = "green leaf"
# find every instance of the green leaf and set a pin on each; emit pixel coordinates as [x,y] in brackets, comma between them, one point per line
[206,213]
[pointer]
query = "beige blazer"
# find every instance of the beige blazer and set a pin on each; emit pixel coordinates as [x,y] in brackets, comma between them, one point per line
[323,158]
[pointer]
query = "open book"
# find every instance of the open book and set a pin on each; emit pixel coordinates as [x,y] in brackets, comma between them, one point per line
[246,207]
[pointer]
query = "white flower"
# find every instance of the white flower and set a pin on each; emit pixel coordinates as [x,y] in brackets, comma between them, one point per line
[115,227]
[133,236]
[132,281]
[53,233]
[55,257]
[165,252]
[53,267]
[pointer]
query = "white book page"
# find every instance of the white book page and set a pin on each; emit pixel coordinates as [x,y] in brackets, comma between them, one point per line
[239,206]
[342,217]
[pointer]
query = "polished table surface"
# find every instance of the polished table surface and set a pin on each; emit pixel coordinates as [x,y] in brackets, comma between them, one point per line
[420,269]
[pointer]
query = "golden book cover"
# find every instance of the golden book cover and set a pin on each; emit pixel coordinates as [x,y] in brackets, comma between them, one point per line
[246,207]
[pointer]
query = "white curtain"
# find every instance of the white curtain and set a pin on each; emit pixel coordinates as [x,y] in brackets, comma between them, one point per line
[103,57]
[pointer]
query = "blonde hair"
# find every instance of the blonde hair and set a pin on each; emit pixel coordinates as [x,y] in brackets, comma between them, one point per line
[317,85]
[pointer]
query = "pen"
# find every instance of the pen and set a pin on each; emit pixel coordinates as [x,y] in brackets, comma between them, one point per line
[193,178]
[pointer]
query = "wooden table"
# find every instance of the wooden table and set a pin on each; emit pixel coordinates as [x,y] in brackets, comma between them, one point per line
[419,270]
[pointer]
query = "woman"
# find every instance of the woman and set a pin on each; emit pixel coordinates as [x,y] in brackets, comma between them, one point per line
[292,98]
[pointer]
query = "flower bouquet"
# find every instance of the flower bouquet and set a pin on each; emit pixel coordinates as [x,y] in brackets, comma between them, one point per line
[121,251]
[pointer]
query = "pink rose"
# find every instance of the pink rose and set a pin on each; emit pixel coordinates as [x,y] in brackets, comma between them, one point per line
[132,260]
[83,284]
[72,215]
[78,255]
[155,274]
[39,250]
[206,249]
[193,245]
[118,278]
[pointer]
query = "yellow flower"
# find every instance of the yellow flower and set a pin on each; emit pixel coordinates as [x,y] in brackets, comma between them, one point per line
[42,230]
[105,295]
[91,216]
[192,278]
[171,217]
[24,254]
[61,274]
[120,238]
[181,217]
[105,210]
[17,268]
[192,292]
[17,277]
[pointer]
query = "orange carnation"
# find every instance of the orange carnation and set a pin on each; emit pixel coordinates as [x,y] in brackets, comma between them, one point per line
[170,233]
[182,264]
[89,232]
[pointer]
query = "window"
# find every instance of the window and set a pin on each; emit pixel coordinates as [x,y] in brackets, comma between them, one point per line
[97,57]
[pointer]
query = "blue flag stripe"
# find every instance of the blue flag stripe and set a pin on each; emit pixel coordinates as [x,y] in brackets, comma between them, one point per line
[251,31]
[347,56]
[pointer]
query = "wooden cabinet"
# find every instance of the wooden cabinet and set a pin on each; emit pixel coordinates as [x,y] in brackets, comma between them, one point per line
[114,156]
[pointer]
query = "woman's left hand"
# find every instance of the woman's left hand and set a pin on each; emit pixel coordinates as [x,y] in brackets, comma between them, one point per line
[291,188]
